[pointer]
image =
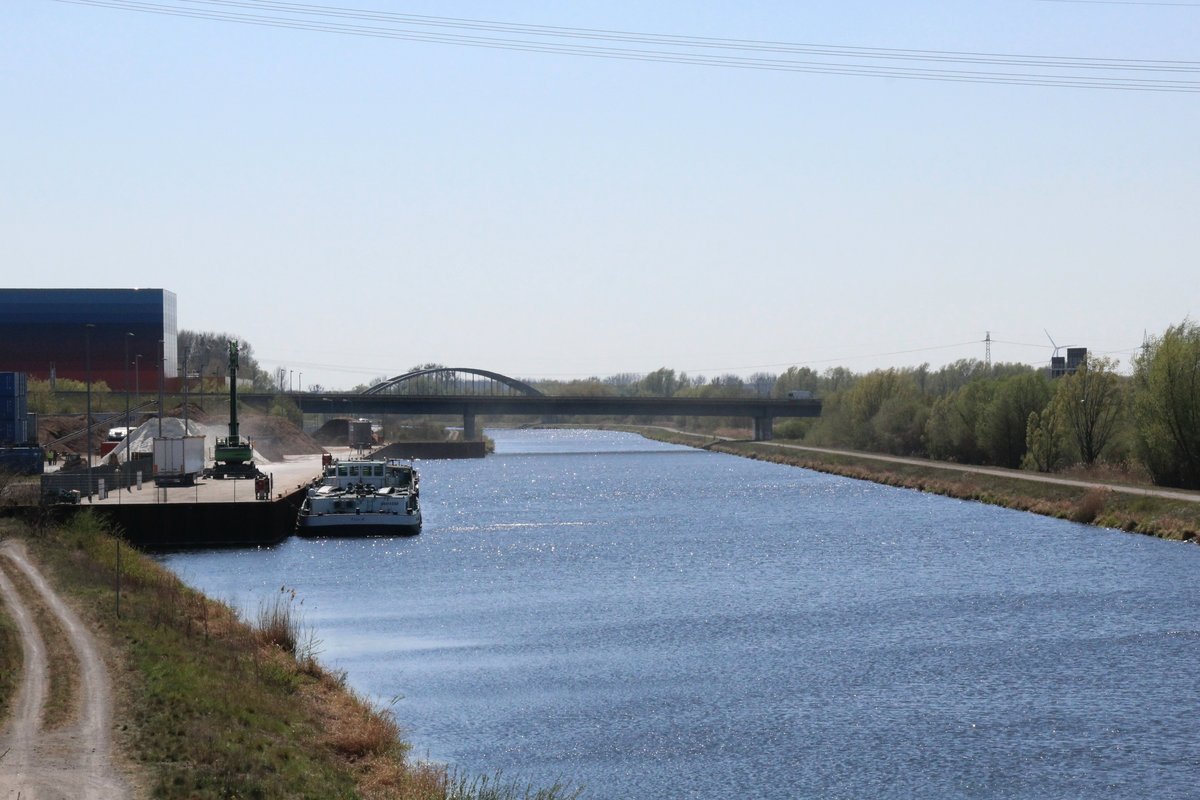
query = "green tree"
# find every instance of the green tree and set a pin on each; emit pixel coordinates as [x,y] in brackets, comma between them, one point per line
[1045,442]
[797,378]
[952,428]
[660,383]
[207,353]
[1089,402]
[1002,426]
[853,417]
[899,425]
[954,376]
[1167,406]
[837,379]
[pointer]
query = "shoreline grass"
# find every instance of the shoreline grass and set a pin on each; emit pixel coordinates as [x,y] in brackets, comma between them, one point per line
[214,706]
[1161,517]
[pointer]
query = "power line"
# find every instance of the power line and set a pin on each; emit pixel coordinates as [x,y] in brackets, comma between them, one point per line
[1123,3]
[929,65]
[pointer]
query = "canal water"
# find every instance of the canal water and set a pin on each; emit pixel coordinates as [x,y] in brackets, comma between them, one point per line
[652,621]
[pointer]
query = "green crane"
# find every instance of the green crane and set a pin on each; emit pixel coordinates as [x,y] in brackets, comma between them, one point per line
[233,453]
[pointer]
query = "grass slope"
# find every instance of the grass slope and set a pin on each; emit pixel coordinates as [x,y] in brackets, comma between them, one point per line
[209,706]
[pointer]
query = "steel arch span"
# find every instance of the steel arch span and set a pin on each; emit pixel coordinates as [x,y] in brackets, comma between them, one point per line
[399,381]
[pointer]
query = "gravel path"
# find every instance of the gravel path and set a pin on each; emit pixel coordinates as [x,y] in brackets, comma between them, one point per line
[74,761]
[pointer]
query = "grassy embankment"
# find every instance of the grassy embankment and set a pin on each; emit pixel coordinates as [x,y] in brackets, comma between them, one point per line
[209,706]
[1154,516]
[10,660]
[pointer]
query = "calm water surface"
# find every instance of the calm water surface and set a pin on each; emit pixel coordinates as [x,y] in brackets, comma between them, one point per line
[658,622]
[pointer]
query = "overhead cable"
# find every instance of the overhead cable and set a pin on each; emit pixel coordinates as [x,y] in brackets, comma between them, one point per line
[907,64]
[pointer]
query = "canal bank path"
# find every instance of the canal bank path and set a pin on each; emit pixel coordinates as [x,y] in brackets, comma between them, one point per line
[68,761]
[1016,474]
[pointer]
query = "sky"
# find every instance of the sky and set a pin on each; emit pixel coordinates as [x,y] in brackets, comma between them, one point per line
[357,205]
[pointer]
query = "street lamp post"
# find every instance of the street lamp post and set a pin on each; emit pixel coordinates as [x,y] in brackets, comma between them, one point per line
[162,368]
[87,425]
[137,377]
[128,336]
[187,356]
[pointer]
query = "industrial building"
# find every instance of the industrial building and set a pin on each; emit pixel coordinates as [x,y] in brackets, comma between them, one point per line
[14,409]
[1076,357]
[55,333]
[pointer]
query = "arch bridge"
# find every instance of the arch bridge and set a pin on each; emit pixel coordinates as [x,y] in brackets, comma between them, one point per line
[462,380]
[469,392]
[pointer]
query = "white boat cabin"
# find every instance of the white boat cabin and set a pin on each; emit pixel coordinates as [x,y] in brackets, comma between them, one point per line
[371,475]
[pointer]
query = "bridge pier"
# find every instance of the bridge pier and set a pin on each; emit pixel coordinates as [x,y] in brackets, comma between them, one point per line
[764,429]
[469,426]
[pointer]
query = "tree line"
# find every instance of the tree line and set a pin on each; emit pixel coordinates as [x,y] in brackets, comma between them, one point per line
[1007,415]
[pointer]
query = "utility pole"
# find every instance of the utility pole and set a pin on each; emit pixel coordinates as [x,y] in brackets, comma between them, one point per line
[128,430]
[988,351]
[187,356]
[87,425]
[162,368]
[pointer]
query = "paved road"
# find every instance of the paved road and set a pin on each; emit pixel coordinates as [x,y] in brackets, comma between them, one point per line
[289,474]
[74,761]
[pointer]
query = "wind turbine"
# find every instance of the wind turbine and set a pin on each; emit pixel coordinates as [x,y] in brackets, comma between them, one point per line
[1055,346]
[1062,369]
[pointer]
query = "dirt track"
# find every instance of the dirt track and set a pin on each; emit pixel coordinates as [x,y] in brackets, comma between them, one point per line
[75,760]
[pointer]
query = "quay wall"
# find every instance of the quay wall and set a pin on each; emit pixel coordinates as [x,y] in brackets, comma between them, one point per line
[178,526]
[162,527]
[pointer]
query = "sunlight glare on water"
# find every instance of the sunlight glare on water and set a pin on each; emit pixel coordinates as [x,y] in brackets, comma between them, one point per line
[655,621]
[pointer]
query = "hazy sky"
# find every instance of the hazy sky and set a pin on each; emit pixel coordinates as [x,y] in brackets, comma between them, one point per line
[354,206]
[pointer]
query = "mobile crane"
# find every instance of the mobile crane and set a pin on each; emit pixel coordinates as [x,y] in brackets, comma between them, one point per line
[233,454]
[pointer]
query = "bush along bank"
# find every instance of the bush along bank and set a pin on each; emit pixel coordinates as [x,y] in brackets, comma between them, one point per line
[1098,505]
[212,706]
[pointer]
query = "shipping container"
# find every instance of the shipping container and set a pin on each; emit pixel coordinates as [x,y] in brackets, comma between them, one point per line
[22,460]
[13,431]
[13,384]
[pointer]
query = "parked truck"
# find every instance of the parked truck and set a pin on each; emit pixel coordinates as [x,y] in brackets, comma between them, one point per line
[178,460]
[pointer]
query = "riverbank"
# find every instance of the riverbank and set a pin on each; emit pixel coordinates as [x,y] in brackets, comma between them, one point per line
[208,705]
[1129,508]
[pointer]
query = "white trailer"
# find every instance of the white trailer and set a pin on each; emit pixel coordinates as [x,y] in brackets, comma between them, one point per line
[178,460]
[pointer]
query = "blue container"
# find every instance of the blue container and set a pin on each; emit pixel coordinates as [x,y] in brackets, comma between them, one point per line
[13,384]
[24,460]
[11,433]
